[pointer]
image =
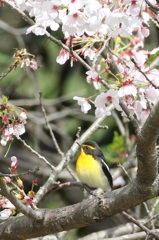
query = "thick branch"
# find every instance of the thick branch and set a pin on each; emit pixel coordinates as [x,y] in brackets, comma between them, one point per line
[79,215]
[146,153]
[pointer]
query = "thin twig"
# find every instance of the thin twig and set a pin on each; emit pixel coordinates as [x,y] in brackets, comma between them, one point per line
[135,221]
[124,170]
[4,74]
[139,69]
[71,173]
[119,123]
[14,31]
[18,174]
[78,132]
[25,17]
[50,130]
[132,119]
[36,153]
[154,8]
[57,185]
[100,53]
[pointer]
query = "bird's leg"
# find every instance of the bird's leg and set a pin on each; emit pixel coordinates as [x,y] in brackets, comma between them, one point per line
[91,191]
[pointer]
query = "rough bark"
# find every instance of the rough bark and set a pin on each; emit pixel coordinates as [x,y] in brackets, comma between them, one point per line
[146,151]
[78,215]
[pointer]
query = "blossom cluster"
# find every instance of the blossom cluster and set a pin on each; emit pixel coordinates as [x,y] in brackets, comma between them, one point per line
[24,59]
[89,27]
[13,120]
[6,207]
[80,17]
[136,84]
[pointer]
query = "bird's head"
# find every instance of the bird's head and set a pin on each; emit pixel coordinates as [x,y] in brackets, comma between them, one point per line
[89,147]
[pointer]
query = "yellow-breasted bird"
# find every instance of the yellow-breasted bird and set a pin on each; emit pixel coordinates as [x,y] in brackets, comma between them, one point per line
[91,167]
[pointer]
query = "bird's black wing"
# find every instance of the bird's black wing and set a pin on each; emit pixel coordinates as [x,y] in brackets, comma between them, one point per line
[105,167]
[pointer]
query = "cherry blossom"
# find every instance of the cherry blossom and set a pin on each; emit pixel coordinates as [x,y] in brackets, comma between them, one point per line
[14,163]
[6,135]
[8,204]
[73,22]
[25,59]
[88,52]
[37,29]
[28,200]
[63,56]
[7,179]
[127,88]
[94,78]
[8,208]
[13,121]
[23,117]
[85,106]
[5,214]
[82,16]
[104,99]
[19,129]
[152,95]
[73,5]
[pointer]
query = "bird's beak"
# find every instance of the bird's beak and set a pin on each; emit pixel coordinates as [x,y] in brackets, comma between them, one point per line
[79,144]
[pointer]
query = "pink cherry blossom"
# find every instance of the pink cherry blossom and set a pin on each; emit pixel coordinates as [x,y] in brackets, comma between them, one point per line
[127,88]
[73,23]
[14,163]
[10,131]
[143,31]
[88,52]
[5,214]
[73,5]
[19,129]
[63,56]
[5,119]
[28,200]
[104,99]
[8,179]
[8,204]
[101,112]
[23,117]
[6,135]
[85,106]
[152,95]
[37,29]
[94,78]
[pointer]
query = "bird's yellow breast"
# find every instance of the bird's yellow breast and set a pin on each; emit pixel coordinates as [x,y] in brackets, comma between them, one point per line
[90,172]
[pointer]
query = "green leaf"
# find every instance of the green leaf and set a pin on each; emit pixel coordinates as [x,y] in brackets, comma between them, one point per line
[4,100]
[152,56]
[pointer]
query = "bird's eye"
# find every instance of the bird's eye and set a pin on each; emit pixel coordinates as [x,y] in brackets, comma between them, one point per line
[86,148]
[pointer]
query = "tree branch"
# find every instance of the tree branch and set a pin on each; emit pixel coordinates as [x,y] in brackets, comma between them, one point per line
[139,224]
[146,152]
[78,215]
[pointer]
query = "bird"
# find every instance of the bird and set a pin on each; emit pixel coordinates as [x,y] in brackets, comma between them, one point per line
[92,168]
